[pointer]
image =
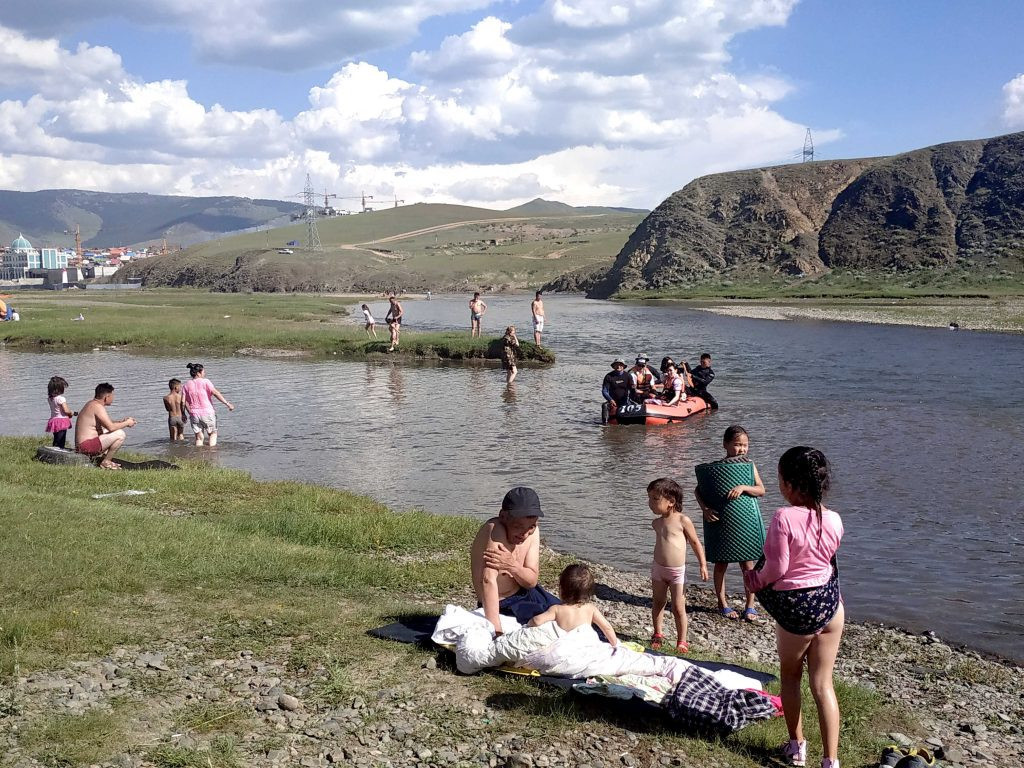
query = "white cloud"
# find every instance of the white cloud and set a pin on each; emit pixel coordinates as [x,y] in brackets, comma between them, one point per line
[620,107]
[1013,103]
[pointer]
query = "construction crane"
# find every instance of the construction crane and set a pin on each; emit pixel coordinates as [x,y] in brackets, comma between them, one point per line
[362,198]
[397,201]
[327,208]
[78,242]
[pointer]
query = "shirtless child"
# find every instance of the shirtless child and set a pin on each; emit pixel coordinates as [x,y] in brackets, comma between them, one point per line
[476,314]
[96,435]
[506,561]
[576,589]
[673,531]
[177,416]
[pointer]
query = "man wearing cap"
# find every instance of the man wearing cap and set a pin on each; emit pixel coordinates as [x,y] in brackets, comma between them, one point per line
[506,561]
[643,379]
[616,386]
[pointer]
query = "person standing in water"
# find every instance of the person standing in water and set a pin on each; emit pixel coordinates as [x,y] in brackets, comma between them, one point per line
[177,416]
[509,348]
[476,314]
[537,310]
[197,394]
[394,320]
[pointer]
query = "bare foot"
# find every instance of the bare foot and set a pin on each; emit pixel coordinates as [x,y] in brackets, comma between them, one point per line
[108,464]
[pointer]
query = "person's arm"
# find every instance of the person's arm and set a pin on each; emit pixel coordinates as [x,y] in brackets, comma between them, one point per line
[483,307]
[698,549]
[167,404]
[710,515]
[756,490]
[103,420]
[677,392]
[606,628]
[216,393]
[503,561]
[776,557]
[605,392]
[485,580]
[400,311]
[66,409]
[542,618]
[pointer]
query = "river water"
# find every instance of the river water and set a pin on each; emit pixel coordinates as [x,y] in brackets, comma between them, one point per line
[923,427]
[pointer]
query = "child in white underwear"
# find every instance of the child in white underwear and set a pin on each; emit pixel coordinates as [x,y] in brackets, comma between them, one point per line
[576,590]
[673,531]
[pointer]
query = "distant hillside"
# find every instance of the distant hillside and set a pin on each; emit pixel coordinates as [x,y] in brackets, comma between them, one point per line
[413,248]
[539,207]
[956,207]
[112,219]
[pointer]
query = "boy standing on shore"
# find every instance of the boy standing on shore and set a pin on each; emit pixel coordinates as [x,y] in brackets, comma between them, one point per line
[177,416]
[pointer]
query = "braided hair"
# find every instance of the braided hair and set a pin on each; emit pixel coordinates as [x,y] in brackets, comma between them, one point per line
[806,471]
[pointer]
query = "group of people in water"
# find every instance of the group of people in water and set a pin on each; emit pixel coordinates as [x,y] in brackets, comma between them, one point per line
[99,436]
[671,384]
[790,569]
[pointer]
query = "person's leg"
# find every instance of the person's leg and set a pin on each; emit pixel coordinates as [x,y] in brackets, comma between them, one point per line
[172,430]
[110,441]
[373,329]
[213,438]
[197,429]
[60,438]
[821,660]
[719,577]
[792,650]
[659,597]
[678,592]
[748,565]
[512,371]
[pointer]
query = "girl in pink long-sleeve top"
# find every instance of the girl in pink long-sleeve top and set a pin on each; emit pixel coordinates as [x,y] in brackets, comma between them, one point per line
[798,584]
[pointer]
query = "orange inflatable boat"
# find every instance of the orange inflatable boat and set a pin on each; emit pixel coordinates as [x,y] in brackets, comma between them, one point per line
[648,413]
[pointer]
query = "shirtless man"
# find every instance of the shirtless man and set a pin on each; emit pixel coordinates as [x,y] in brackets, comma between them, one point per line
[537,308]
[506,561]
[95,434]
[476,314]
[394,320]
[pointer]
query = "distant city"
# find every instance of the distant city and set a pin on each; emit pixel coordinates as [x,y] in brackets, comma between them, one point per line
[23,264]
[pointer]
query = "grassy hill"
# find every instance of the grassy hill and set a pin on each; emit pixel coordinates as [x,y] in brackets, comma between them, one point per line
[416,247]
[114,219]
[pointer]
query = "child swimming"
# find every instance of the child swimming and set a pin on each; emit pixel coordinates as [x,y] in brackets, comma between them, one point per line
[798,584]
[673,531]
[740,539]
[60,412]
[576,590]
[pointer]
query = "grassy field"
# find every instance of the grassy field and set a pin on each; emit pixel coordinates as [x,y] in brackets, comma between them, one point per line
[418,247]
[184,320]
[213,562]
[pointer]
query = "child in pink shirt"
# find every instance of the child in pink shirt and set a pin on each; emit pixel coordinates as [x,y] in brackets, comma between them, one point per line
[798,584]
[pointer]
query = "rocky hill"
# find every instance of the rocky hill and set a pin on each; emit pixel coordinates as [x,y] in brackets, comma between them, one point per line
[956,206]
[115,219]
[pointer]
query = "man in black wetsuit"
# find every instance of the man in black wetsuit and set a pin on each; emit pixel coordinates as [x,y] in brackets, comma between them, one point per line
[615,387]
[703,375]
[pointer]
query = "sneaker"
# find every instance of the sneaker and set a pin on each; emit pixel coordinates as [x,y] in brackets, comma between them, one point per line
[794,753]
[917,758]
[830,762]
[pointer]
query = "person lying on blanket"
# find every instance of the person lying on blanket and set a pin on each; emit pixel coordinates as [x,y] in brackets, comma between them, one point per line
[576,589]
[506,561]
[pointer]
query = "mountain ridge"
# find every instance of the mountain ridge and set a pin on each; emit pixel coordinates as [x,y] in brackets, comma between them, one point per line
[952,206]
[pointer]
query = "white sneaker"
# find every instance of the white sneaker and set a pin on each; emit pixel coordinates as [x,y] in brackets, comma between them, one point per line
[794,753]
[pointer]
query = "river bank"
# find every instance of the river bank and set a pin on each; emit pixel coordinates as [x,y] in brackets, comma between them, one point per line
[152,630]
[189,322]
[999,315]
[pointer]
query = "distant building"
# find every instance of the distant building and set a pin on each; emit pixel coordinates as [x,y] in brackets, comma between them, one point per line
[23,256]
[54,259]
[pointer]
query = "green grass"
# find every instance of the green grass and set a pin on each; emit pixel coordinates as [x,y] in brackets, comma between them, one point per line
[259,567]
[176,321]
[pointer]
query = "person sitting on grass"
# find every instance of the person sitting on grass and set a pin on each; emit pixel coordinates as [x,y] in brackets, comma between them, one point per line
[96,434]
[576,590]
[505,559]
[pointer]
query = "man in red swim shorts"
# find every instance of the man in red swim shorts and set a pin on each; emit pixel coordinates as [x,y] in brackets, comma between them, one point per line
[95,434]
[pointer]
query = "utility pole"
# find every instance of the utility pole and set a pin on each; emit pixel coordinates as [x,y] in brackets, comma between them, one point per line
[397,201]
[808,153]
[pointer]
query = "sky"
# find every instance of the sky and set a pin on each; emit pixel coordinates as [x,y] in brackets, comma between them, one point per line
[480,102]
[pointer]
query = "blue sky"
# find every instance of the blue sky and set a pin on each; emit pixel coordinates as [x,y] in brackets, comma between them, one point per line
[487,103]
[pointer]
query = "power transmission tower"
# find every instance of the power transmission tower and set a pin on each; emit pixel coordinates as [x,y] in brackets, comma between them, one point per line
[808,153]
[312,233]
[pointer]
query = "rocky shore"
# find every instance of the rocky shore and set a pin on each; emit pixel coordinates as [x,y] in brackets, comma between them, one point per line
[273,707]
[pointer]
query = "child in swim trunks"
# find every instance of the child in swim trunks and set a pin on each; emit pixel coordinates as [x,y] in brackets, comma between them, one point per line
[673,531]
[174,403]
[576,590]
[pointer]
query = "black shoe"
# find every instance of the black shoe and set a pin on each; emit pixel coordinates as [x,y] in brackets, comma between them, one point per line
[891,755]
[917,758]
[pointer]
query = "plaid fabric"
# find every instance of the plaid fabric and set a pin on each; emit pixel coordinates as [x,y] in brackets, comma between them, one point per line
[700,703]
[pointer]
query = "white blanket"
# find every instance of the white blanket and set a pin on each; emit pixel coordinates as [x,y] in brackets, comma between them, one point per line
[552,651]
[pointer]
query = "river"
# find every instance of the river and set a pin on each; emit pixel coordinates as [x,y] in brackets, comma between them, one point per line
[923,427]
